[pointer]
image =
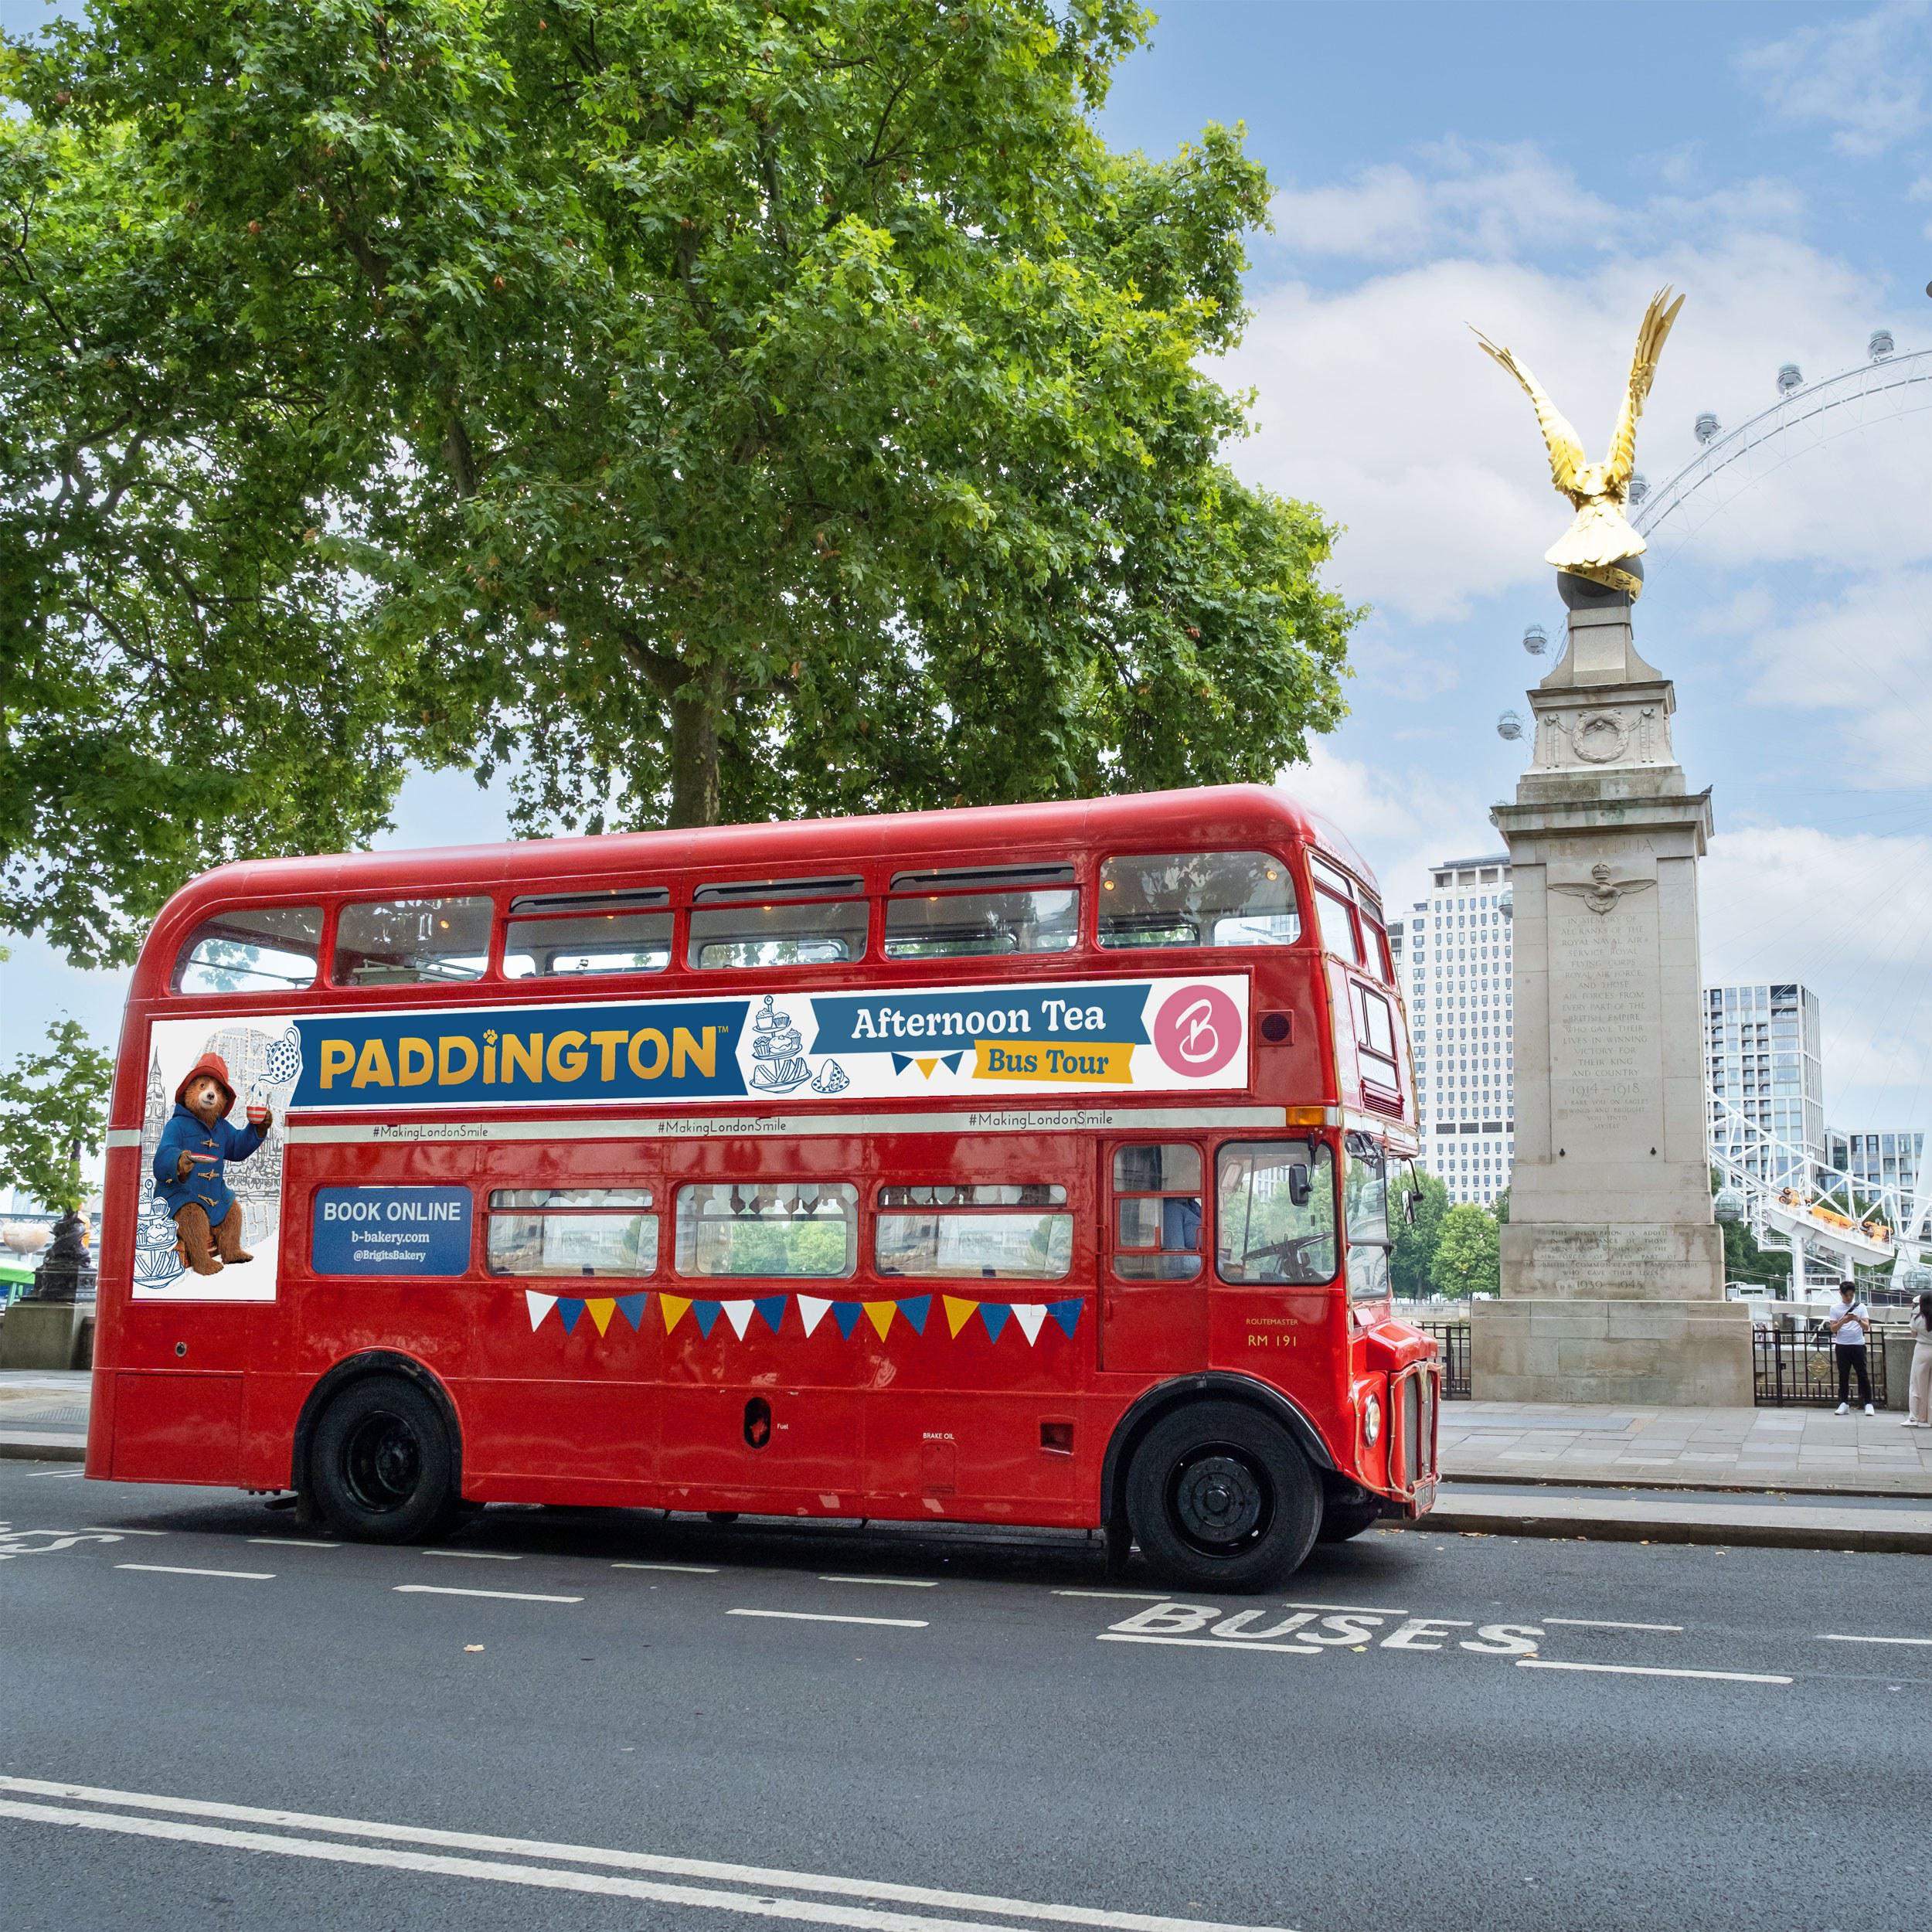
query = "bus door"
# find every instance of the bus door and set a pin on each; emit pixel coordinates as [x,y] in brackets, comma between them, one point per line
[1154,1309]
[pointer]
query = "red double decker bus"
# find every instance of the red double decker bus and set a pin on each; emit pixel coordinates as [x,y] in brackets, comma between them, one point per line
[1025,1165]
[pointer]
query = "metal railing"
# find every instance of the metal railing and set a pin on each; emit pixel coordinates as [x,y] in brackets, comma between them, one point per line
[1796,1367]
[1453,1338]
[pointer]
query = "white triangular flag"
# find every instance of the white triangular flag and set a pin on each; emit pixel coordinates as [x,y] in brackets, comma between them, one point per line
[812,1311]
[1030,1315]
[540,1306]
[737,1314]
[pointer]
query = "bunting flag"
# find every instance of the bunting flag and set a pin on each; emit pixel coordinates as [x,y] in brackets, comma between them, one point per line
[540,1305]
[1031,1316]
[1066,1313]
[739,1314]
[601,1312]
[994,1314]
[772,1307]
[958,1313]
[568,1312]
[631,1307]
[811,1311]
[846,1315]
[916,1310]
[705,1314]
[672,1306]
[880,1313]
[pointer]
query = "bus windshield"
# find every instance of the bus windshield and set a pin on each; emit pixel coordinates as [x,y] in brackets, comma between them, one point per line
[1276,1218]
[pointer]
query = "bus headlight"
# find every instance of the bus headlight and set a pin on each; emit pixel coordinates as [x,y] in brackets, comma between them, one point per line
[1371,1419]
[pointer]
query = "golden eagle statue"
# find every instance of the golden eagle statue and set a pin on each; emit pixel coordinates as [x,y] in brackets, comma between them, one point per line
[1600,541]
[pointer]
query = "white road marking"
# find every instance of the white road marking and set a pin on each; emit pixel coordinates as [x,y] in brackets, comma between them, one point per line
[891,1583]
[178,1569]
[819,1617]
[1206,1643]
[1120,1596]
[683,1570]
[1359,1609]
[478,1555]
[60,1475]
[115,1529]
[1649,1670]
[763,1877]
[1603,1622]
[1834,1637]
[295,1543]
[512,1595]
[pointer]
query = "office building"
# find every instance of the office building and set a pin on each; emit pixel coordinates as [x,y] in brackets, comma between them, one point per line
[1452,963]
[1762,1066]
[1883,1166]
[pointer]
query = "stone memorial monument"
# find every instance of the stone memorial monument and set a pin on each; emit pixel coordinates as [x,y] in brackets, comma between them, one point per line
[1612,1274]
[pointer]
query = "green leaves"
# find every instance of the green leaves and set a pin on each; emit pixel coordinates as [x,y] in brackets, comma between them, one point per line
[710,407]
[50,1103]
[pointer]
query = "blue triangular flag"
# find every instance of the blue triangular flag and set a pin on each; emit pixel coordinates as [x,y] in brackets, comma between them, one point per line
[901,1061]
[916,1311]
[994,1315]
[846,1315]
[568,1312]
[950,1061]
[704,1314]
[1066,1313]
[631,1307]
[772,1307]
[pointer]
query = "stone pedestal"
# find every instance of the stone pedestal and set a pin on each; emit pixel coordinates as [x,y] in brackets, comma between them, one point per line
[43,1334]
[1612,1274]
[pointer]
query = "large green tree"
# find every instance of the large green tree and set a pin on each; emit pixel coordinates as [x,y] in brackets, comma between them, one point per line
[702,408]
[1468,1260]
[51,1103]
[1415,1241]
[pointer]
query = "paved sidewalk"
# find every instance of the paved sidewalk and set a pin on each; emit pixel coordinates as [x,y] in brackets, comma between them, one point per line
[43,1414]
[1808,1451]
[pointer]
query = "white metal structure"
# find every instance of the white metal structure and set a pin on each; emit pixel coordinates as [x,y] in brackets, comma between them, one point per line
[1727,466]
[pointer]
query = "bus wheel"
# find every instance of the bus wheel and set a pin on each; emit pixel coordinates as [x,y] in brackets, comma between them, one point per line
[1221,1499]
[380,1466]
[1341,1520]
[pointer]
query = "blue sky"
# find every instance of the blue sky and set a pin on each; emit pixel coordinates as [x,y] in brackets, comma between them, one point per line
[1539,170]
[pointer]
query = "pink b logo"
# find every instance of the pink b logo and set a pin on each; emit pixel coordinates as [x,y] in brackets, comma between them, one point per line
[1198,1032]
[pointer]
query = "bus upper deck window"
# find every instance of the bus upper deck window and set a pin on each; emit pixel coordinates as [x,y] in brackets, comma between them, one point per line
[257,949]
[569,933]
[971,911]
[410,942]
[1198,898]
[779,922]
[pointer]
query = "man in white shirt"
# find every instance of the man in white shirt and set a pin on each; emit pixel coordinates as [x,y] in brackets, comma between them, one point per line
[1848,1323]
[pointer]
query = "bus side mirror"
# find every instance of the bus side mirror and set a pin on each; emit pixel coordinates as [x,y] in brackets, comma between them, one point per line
[1299,1191]
[1411,1202]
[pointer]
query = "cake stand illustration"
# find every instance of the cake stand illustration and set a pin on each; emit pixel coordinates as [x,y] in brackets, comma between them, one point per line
[778,1052]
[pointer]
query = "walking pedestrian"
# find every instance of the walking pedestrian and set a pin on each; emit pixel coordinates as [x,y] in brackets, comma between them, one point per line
[1918,1412]
[1849,1322]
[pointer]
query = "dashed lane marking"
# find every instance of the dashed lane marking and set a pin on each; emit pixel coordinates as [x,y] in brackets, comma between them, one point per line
[511,1595]
[295,1543]
[119,1529]
[272,1835]
[1603,1622]
[888,1583]
[821,1617]
[682,1569]
[1650,1670]
[1353,1610]
[477,1555]
[181,1569]
[1837,1637]
[1120,1596]
[1206,1643]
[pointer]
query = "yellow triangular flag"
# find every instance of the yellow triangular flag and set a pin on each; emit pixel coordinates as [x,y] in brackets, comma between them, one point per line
[958,1313]
[601,1313]
[926,1066]
[880,1315]
[674,1306]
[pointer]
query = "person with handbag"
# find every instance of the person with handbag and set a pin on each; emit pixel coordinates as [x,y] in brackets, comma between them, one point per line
[1850,1322]
[1918,1412]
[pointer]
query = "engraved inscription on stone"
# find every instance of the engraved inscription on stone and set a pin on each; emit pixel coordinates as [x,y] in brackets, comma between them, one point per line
[1596,1261]
[1604,1023]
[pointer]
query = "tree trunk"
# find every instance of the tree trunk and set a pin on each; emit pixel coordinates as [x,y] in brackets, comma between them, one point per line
[695,708]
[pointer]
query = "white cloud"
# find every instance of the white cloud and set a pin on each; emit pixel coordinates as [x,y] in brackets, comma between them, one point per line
[1866,78]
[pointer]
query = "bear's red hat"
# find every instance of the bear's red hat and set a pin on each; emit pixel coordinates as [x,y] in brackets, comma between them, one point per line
[214,1064]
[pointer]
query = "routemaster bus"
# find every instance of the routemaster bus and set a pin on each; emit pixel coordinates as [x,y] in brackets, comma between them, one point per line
[1028,1164]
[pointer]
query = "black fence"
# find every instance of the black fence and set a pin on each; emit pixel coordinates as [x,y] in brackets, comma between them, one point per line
[1795,1367]
[1453,1338]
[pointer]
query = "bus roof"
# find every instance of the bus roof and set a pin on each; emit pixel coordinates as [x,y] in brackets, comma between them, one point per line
[1226,816]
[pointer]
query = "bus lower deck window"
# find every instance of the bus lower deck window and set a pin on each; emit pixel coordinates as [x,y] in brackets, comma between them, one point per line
[410,942]
[572,1231]
[786,1230]
[988,1231]
[257,949]
[1198,899]
[1157,1212]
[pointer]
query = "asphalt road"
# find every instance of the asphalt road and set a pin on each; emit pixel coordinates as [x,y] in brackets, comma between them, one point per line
[599,1720]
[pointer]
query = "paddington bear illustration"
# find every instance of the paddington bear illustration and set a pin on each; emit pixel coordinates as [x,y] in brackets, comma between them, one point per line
[189,1165]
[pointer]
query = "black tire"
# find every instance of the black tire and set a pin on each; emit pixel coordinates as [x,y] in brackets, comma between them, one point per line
[382,1467]
[1341,1520]
[1220,1498]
